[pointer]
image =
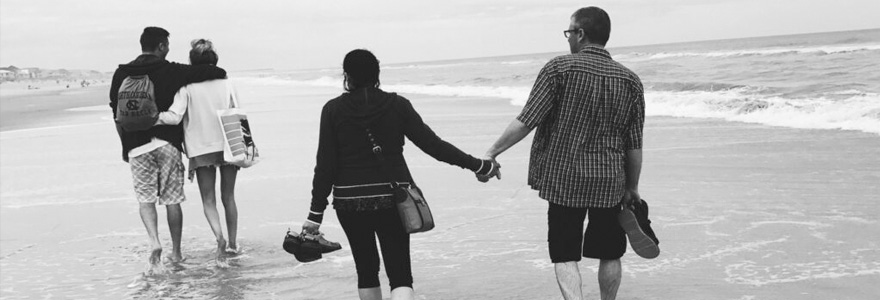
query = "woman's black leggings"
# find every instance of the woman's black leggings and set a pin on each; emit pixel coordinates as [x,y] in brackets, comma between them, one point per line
[361,228]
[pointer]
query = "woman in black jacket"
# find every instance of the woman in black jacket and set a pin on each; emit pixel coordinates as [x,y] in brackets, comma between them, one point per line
[347,166]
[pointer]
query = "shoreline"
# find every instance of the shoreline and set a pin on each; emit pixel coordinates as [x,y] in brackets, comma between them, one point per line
[48,108]
[88,101]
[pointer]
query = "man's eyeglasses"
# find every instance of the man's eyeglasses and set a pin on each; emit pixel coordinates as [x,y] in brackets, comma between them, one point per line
[568,33]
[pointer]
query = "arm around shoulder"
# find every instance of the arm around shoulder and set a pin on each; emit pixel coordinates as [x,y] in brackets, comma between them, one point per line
[174,114]
[194,74]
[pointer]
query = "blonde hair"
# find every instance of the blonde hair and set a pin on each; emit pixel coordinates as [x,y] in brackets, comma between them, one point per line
[202,52]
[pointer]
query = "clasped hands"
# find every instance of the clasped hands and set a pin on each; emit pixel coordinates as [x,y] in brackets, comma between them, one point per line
[494,170]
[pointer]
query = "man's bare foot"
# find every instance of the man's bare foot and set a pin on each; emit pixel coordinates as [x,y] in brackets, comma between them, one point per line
[155,266]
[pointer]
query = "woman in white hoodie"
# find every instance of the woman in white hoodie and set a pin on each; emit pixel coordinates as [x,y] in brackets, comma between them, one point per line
[196,105]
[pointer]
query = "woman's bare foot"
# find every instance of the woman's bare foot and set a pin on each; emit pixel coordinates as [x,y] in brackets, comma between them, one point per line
[221,249]
[176,257]
[156,256]
[232,249]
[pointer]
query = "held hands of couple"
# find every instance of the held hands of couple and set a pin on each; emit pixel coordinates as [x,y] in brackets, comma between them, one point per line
[490,168]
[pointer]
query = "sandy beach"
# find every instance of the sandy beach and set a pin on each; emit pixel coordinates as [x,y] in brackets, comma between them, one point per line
[743,211]
[52,105]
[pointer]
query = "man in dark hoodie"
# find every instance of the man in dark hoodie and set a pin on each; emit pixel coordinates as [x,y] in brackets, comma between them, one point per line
[155,153]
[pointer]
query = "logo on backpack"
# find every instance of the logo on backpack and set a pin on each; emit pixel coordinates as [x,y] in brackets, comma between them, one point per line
[132,105]
[138,110]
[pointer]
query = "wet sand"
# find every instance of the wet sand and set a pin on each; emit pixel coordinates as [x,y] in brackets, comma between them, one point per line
[742,211]
[49,107]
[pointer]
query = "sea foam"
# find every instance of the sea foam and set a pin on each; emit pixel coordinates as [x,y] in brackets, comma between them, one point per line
[517,95]
[857,111]
[825,49]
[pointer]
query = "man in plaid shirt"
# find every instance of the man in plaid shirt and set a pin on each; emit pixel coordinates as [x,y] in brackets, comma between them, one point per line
[586,157]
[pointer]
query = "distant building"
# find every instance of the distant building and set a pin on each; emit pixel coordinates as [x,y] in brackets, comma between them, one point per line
[23,73]
[12,73]
[8,73]
[33,72]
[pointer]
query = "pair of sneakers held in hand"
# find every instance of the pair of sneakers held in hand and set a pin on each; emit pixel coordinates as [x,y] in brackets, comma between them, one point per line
[307,247]
[633,217]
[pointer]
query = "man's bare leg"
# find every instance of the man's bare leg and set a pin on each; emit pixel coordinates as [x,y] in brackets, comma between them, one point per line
[150,219]
[374,293]
[175,224]
[568,276]
[609,278]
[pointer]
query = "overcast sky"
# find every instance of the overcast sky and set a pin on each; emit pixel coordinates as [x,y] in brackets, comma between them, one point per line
[283,34]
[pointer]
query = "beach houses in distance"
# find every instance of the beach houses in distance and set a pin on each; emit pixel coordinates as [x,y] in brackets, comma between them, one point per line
[13,73]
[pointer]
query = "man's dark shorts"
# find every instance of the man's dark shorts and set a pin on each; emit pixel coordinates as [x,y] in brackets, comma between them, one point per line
[603,238]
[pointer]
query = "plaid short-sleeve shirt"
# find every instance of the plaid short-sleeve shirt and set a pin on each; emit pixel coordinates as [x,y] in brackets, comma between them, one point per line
[588,110]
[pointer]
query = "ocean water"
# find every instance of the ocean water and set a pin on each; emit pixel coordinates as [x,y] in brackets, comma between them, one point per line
[820,81]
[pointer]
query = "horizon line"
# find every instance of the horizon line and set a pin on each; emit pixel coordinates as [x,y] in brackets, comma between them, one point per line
[501,55]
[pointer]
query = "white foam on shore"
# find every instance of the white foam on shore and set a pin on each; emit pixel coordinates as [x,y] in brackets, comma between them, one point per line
[25,133]
[858,111]
[425,66]
[811,225]
[714,220]
[69,201]
[825,49]
[133,232]
[90,108]
[750,273]
[516,95]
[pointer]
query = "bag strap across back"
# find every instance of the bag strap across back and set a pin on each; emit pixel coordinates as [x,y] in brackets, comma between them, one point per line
[383,164]
[377,151]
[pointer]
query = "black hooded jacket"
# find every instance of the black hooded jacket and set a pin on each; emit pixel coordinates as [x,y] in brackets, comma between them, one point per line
[167,78]
[344,155]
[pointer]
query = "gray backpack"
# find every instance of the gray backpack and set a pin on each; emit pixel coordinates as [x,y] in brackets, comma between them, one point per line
[136,106]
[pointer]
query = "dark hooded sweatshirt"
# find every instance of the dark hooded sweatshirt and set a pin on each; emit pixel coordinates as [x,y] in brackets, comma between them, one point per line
[345,157]
[167,78]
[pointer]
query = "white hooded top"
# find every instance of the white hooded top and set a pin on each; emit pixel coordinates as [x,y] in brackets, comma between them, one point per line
[197,105]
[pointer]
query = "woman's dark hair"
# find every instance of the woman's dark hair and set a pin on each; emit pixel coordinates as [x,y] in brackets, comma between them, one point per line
[202,53]
[362,68]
